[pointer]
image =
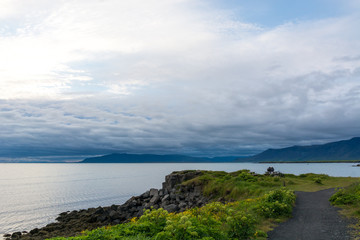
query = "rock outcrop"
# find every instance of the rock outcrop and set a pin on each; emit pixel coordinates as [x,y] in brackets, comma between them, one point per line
[173,197]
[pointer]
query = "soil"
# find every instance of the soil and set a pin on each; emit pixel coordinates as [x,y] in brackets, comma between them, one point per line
[314,218]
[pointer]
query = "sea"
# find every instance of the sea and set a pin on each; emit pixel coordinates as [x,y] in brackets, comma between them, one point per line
[33,194]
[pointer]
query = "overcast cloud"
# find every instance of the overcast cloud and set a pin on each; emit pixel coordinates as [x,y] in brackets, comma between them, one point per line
[189,77]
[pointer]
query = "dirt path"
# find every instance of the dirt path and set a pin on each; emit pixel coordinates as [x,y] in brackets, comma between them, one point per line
[313,219]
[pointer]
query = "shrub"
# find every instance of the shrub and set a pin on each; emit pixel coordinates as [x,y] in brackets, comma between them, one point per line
[276,179]
[260,233]
[214,221]
[318,180]
[277,203]
[241,226]
[152,222]
[347,196]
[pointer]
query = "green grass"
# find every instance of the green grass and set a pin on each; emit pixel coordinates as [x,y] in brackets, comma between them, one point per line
[242,184]
[255,204]
[348,199]
[214,221]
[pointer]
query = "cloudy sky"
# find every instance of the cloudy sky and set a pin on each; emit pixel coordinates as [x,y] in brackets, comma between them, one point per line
[196,77]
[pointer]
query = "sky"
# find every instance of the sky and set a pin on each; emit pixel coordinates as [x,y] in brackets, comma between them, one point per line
[194,77]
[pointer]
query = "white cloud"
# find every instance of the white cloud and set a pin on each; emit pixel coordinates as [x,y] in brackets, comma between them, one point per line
[173,74]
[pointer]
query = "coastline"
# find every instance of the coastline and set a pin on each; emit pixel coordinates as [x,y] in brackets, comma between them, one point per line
[235,191]
[172,197]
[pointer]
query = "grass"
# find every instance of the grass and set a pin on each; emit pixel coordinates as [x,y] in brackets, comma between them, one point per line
[255,204]
[308,182]
[214,221]
[242,184]
[348,199]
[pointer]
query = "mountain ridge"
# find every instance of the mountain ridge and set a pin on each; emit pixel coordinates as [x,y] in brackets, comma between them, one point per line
[155,158]
[332,151]
[339,150]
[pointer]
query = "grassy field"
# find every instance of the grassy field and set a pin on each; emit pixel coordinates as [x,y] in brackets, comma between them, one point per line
[348,199]
[255,203]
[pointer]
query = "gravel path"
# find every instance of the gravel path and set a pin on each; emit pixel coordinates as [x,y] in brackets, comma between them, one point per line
[313,219]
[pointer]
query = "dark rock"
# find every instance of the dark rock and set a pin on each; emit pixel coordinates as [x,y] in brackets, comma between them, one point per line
[171,208]
[16,234]
[92,219]
[101,218]
[198,191]
[182,205]
[145,194]
[154,192]
[173,197]
[99,210]
[154,199]
[164,203]
[114,207]
[34,231]
[63,214]
[165,191]
[114,215]
[134,202]
[115,222]
[165,198]
[7,235]
[42,233]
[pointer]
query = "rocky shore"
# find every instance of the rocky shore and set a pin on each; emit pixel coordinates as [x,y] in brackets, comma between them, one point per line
[173,197]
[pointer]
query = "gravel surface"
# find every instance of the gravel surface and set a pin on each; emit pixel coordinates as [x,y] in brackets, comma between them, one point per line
[313,219]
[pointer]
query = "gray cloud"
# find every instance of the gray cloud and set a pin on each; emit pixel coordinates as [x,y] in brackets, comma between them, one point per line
[297,111]
[194,85]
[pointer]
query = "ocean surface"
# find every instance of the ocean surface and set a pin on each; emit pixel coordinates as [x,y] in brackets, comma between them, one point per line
[32,195]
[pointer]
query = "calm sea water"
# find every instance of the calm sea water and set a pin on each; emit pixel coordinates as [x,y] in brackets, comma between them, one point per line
[32,195]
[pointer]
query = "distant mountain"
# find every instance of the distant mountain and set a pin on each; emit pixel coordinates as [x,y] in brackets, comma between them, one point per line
[153,158]
[341,150]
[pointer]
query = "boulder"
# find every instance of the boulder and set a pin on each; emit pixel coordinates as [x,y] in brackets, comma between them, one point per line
[145,194]
[171,208]
[114,215]
[101,218]
[99,210]
[34,231]
[154,192]
[182,205]
[154,199]
[165,198]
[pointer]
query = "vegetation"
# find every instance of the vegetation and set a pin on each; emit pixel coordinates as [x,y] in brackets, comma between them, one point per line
[348,199]
[242,184]
[235,220]
[349,196]
[253,204]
